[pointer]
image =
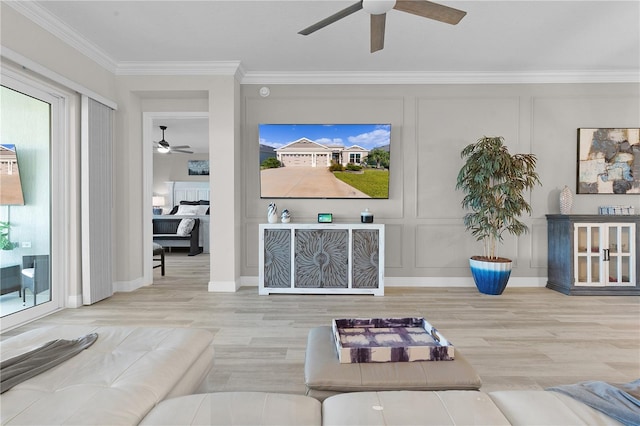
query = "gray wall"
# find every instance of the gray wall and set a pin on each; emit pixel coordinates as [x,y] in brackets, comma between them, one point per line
[426,243]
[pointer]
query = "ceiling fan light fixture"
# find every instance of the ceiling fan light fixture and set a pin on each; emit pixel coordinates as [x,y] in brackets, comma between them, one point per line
[163,150]
[378,7]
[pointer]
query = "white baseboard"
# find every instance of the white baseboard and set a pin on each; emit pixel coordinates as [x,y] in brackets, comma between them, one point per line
[126,286]
[458,282]
[534,282]
[74,301]
[224,286]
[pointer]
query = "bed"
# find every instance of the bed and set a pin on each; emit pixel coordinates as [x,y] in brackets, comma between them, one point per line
[189,199]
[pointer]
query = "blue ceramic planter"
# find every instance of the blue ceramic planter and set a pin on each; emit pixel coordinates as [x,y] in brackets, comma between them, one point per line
[490,277]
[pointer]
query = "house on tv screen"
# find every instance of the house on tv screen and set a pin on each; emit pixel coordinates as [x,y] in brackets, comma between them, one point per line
[305,152]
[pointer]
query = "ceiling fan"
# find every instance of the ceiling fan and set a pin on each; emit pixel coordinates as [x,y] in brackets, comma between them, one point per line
[378,10]
[164,147]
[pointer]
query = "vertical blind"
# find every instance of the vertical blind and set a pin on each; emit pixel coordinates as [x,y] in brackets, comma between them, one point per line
[97,200]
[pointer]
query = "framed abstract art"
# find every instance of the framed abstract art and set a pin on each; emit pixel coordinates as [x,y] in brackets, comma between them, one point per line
[608,161]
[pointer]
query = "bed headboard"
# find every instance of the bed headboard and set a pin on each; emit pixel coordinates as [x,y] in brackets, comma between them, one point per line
[186,191]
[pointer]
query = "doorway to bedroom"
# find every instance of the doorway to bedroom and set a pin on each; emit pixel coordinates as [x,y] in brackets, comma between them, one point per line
[179,195]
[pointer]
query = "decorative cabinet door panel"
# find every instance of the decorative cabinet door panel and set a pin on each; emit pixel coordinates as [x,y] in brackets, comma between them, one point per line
[277,258]
[365,259]
[303,258]
[321,258]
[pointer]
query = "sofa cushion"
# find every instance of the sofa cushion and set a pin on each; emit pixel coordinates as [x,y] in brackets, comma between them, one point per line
[117,380]
[536,407]
[411,408]
[237,408]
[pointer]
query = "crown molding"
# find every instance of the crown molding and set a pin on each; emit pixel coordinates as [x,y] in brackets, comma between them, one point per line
[364,77]
[51,23]
[182,68]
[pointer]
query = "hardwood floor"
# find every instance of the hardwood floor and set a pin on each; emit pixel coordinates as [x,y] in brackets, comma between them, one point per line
[524,339]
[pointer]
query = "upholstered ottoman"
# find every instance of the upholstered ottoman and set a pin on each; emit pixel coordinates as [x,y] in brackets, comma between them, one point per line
[325,376]
[237,408]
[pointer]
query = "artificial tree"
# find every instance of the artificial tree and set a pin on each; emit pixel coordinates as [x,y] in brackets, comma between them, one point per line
[494,183]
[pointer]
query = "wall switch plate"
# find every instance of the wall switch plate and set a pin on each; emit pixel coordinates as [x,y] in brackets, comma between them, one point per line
[26,244]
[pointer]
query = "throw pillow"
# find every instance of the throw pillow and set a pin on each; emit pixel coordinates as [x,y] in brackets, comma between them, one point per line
[185,227]
[186,210]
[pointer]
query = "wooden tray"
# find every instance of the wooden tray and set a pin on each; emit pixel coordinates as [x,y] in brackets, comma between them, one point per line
[360,340]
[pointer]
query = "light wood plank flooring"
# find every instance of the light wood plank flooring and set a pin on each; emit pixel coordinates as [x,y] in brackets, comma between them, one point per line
[524,339]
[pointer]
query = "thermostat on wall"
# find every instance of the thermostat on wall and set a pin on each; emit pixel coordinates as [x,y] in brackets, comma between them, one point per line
[325,217]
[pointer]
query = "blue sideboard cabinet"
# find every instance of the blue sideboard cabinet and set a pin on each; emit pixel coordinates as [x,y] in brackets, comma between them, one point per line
[593,254]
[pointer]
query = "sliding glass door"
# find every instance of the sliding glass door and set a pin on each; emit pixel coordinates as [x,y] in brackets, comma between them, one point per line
[25,200]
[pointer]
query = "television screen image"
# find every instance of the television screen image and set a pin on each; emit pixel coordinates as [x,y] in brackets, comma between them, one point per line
[10,185]
[324,160]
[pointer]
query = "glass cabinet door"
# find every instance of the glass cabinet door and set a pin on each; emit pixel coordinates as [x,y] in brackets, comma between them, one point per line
[587,254]
[619,255]
[604,254]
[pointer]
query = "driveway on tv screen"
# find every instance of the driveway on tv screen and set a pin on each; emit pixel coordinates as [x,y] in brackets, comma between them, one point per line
[305,182]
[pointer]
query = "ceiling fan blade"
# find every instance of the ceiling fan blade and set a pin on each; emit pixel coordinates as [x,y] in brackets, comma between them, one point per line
[180,147]
[333,18]
[377,31]
[181,151]
[431,10]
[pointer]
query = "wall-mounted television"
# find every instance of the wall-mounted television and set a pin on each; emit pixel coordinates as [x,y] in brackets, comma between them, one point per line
[324,160]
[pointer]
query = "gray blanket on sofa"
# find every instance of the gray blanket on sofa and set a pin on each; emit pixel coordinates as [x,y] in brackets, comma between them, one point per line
[22,367]
[620,401]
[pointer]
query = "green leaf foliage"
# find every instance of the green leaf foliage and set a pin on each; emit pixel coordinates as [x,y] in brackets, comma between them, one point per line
[494,182]
[270,163]
[5,243]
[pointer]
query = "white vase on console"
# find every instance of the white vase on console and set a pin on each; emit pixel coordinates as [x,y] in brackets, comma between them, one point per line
[272,213]
[566,200]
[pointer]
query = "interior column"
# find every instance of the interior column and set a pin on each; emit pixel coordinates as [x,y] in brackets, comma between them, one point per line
[225,183]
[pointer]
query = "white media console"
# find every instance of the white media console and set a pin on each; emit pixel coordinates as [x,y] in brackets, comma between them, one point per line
[330,258]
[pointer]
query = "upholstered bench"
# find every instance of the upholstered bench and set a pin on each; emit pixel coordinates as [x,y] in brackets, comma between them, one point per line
[325,376]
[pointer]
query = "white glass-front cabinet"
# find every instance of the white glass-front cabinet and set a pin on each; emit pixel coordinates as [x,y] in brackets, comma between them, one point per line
[604,254]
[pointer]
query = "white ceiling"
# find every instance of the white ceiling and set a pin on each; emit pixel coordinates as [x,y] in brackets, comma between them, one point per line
[497,41]
[506,37]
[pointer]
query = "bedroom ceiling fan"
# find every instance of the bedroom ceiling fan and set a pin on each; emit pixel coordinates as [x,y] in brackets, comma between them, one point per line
[378,10]
[164,147]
